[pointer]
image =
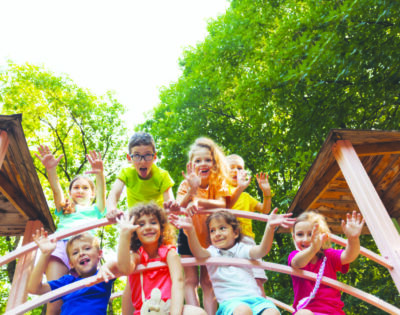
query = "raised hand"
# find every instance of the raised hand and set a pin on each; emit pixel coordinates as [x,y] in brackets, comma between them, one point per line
[172,206]
[47,158]
[283,220]
[353,226]
[243,181]
[96,162]
[126,224]
[46,245]
[104,274]
[192,178]
[181,222]
[263,183]
[317,239]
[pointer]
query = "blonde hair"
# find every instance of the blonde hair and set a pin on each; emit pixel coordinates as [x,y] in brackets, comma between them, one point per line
[220,171]
[315,218]
[86,236]
[167,235]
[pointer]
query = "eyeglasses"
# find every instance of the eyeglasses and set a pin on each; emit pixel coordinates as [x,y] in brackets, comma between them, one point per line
[137,157]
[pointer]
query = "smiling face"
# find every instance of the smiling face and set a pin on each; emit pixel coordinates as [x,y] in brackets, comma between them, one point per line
[203,164]
[81,192]
[302,235]
[149,230]
[84,256]
[143,167]
[236,164]
[222,234]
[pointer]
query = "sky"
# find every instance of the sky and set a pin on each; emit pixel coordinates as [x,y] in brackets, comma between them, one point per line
[129,47]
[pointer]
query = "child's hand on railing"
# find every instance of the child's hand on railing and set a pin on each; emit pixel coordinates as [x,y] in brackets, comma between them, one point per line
[172,206]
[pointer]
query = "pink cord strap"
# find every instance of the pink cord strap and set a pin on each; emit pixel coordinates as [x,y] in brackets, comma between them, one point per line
[304,301]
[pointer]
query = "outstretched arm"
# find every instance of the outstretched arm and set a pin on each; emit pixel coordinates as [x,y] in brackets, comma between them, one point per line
[112,200]
[352,229]
[263,183]
[274,220]
[177,288]
[96,162]
[126,263]
[50,162]
[46,246]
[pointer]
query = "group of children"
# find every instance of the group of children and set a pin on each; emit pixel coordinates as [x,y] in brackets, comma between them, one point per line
[211,181]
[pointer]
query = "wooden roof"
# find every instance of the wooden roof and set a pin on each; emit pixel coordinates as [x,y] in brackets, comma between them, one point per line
[21,195]
[325,189]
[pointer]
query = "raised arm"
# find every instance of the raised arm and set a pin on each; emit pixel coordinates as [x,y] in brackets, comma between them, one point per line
[263,183]
[274,220]
[126,263]
[112,200]
[50,162]
[46,246]
[352,229]
[96,162]
[177,288]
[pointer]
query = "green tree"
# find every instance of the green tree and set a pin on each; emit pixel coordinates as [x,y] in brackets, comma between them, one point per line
[72,121]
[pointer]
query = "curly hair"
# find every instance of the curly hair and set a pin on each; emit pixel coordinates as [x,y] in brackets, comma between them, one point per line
[220,170]
[229,218]
[315,218]
[68,206]
[167,236]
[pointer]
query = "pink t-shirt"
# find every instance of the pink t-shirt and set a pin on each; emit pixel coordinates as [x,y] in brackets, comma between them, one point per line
[156,278]
[327,299]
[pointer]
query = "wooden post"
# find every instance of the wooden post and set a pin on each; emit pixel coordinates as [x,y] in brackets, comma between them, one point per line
[3,146]
[18,293]
[371,206]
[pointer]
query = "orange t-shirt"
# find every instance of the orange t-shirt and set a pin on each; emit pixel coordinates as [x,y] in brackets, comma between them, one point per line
[199,220]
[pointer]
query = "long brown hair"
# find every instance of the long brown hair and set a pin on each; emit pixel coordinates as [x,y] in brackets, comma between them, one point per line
[229,218]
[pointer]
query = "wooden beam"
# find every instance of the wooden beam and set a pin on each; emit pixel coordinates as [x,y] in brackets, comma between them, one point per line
[16,198]
[18,293]
[377,148]
[3,146]
[375,214]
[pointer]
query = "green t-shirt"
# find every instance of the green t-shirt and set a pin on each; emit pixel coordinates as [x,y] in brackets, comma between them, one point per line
[145,190]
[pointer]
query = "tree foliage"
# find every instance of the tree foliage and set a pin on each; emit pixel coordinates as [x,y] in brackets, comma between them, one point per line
[270,81]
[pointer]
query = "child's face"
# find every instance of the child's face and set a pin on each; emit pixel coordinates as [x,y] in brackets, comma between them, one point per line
[203,163]
[149,230]
[81,193]
[302,235]
[235,164]
[84,257]
[142,157]
[222,234]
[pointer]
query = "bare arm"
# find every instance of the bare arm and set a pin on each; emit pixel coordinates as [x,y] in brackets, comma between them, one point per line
[177,288]
[263,183]
[352,229]
[126,263]
[46,246]
[194,182]
[211,203]
[50,163]
[96,162]
[168,195]
[113,197]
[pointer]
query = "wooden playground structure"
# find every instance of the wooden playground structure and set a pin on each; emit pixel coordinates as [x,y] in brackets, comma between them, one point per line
[355,169]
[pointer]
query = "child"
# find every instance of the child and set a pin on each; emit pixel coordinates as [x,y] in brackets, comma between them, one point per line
[84,256]
[241,200]
[313,253]
[74,211]
[235,287]
[144,182]
[204,186]
[149,237]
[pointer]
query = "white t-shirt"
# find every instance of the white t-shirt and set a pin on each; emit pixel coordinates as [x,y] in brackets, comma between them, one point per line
[230,281]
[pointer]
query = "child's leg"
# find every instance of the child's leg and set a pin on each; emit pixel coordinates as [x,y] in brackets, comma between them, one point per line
[126,303]
[271,311]
[191,284]
[243,309]
[209,300]
[55,270]
[193,310]
[304,312]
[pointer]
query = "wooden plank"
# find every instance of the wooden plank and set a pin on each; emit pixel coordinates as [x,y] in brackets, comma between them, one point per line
[370,205]
[378,148]
[18,293]
[4,141]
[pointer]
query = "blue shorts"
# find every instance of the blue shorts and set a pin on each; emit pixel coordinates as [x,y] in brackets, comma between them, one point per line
[257,304]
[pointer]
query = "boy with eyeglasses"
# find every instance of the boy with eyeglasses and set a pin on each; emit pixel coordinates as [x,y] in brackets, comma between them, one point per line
[144,180]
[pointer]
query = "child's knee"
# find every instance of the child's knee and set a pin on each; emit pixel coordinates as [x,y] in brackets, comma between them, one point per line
[304,312]
[271,311]
[242,309]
